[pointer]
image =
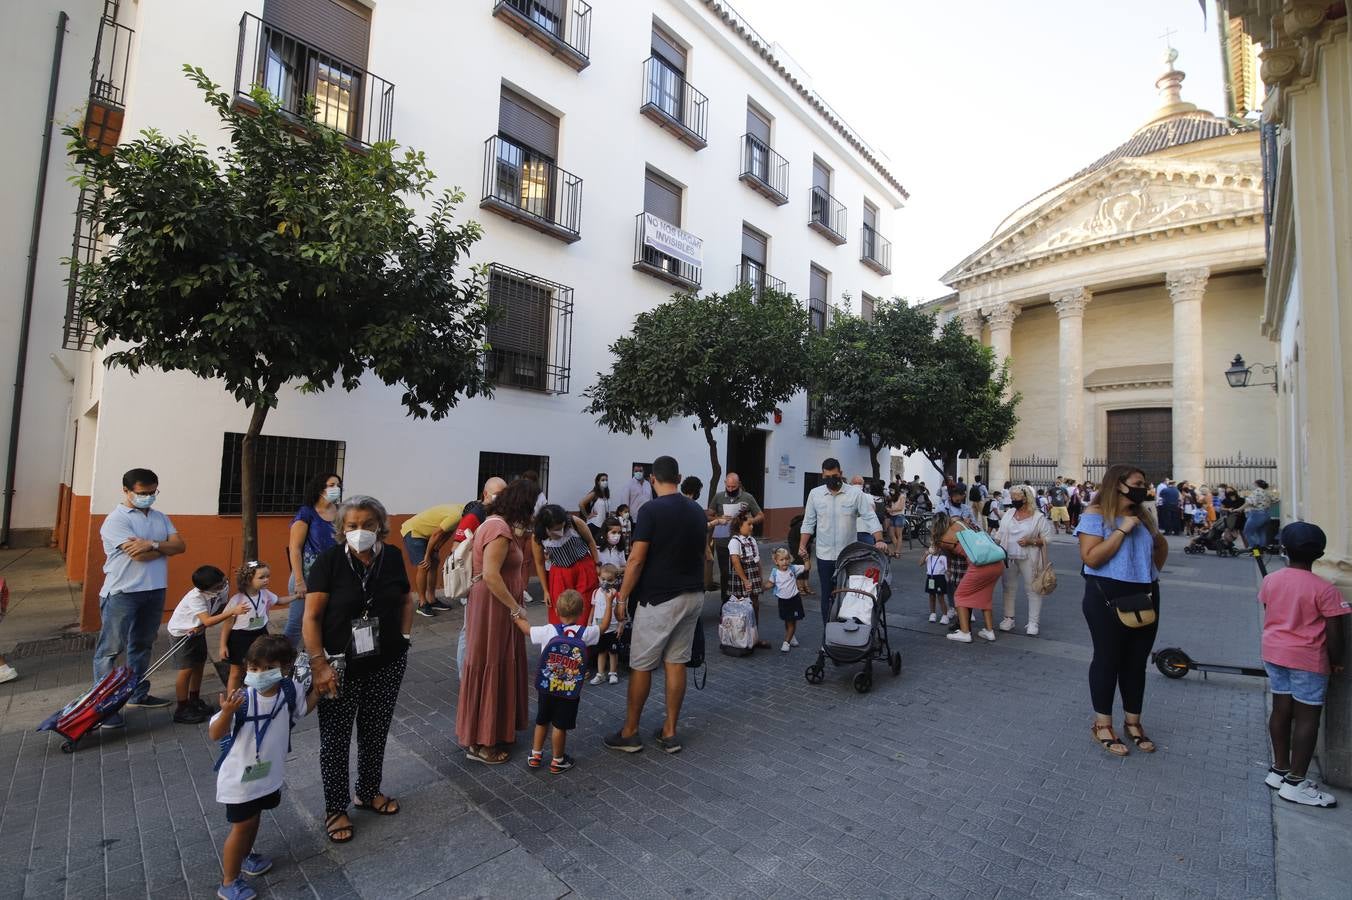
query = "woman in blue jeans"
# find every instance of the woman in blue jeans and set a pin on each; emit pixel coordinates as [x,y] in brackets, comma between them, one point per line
[1256,514]
[311,535]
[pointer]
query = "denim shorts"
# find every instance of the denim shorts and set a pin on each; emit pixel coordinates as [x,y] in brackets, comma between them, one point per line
[1303,686]
[416,548]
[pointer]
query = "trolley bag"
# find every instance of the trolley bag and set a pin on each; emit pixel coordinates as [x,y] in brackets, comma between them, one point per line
[737,627]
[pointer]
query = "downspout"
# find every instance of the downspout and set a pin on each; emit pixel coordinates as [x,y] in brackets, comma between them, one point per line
[26,318]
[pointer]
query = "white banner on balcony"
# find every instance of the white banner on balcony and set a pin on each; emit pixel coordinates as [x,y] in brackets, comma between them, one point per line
[675,242]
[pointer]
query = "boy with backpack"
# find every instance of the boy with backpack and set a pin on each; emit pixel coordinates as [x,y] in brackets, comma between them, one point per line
[1302,643]
[255,738]
[200,608]
[559,677]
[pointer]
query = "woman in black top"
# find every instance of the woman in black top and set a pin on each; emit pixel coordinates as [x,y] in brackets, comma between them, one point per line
[358,617]
[1232,507]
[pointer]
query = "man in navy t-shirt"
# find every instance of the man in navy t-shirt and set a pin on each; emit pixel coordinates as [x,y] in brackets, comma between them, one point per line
[666,573]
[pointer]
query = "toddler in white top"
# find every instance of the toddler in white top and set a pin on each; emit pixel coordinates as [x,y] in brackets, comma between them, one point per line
[936,584]
[784,578]
[605,606]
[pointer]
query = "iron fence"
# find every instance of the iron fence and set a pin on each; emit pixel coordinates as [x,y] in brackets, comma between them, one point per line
[828,214]
[1038,471]
[1094,469]
[754,274]
[531,185]
[667,91]
[768,169]
[567,22]
[655,262]
[1239,471]
[875,251]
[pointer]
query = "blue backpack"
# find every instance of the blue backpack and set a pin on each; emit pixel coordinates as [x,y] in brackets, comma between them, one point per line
[242,716]
[563,663]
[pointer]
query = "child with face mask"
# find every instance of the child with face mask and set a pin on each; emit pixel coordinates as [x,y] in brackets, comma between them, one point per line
[200,608]
[565,557]
[254,726]
[612,545]
[254,601]
[606,608]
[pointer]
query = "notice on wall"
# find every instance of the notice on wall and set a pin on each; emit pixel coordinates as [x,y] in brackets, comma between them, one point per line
[675,242]
[784,466]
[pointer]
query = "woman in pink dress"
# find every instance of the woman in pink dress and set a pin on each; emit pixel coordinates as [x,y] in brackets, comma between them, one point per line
[494,692]
[975,591]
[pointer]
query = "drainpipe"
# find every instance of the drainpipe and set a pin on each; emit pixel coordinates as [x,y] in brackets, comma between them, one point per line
[26,319]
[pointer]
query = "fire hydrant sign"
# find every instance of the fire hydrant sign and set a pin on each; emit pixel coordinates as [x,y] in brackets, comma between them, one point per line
[675,242]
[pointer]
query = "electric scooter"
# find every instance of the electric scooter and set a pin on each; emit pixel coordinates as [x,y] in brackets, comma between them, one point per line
[1174,663]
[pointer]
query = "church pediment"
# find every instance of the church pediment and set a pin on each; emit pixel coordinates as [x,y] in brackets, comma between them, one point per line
[1126,200]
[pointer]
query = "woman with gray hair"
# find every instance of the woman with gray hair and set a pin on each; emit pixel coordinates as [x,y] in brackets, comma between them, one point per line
[1023,533]
[358,618]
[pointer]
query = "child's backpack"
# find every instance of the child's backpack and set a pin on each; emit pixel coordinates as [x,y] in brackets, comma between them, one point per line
[737,628]
[980,549]
[242,716]
[563,663]
[457,573]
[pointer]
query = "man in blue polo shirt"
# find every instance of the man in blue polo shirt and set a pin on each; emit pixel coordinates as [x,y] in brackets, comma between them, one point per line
[137,542]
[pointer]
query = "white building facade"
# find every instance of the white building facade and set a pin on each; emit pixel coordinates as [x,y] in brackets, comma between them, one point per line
[573,130]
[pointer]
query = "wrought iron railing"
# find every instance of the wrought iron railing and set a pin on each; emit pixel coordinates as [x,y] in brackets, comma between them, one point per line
[567,22]
[1239,471]
[667,91]
[817,314]
[531,339]
[1270,142]
[1094,469]
[765,166]
[655,262]
[345,97]
[1039,471]
[827,213]
[815,424]
[532,185]
[754,274]
[875,250]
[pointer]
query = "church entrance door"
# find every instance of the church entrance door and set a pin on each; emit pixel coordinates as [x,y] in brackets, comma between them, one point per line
[1143,437]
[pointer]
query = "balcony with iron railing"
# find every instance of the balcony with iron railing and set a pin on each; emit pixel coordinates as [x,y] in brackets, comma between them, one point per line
[764,170]
[875,251]
[670,101]
[654,262]
[346,97]
[530,189]
[827,215]
[563,27]
[754,274]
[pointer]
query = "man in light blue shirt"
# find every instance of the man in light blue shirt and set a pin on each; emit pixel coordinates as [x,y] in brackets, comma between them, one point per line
[137,542]
[835,513]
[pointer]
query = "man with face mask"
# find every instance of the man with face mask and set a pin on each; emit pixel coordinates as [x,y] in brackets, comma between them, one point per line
[727,503]
[637,491]
[836,513]
[137,542]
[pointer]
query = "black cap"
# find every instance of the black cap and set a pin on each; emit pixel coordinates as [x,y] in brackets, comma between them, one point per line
[1305,539]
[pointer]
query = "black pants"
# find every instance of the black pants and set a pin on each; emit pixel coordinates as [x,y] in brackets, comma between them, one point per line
[1120,653]
[721,554]
[368,699]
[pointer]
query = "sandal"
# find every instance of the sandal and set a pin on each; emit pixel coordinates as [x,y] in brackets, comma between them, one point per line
[489,757]
[334,830]
[1143,743]
[536,759]
[1113,744]
[389,807]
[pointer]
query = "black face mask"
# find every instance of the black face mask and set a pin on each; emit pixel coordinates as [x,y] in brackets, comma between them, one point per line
[1016,503]
[1138,494]
[833,482]
[734,492]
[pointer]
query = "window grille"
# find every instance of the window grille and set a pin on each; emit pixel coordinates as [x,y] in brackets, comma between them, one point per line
[531,343]
[510,466]
[283,466]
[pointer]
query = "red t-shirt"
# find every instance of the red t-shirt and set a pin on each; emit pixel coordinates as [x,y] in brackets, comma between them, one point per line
[468,522]
[1297,603]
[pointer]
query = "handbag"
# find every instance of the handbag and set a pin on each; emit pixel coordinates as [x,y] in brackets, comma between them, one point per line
[457,573]
[979,548]
[1044,580]
[1135,607]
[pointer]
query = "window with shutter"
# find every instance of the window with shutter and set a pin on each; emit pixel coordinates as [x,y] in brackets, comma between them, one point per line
[319,48]
[661,198]
[342,29]
[754,253]
[528,124]
[821,175]
[817,294]
[669,50]
[530,341]
[757,125]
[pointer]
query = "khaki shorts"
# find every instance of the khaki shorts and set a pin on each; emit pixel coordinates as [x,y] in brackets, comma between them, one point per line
[663,633]
[1060,514]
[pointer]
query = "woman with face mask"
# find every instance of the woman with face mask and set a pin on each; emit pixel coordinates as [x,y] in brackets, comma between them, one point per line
[596,507]
[311,534]
[494,701]
[565,556]
[1122,551]
[1023,532]
[358,621]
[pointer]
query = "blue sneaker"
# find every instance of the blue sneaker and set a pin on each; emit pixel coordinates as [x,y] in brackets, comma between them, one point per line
[236,890]
[256,864]
[114,721]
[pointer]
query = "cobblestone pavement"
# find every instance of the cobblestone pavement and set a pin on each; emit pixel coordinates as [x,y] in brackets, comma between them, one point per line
[970,775]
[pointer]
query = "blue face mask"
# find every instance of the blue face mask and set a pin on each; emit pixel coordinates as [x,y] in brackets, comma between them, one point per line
[143,501]
[265,680]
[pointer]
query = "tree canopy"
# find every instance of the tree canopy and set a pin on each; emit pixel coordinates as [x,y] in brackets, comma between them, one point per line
[720,359]
[286,257]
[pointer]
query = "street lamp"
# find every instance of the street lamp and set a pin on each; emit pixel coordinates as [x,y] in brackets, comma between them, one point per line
[1238,374]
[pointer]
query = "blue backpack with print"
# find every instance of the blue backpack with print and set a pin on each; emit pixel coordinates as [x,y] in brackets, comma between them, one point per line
[288,688]
[563,663]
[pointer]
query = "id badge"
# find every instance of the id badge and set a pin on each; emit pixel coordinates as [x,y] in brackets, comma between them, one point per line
[254,623]
[930,586]
[256,772]
[365,638]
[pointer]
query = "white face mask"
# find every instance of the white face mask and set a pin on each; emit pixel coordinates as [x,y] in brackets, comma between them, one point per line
[333,494]
[612,539]
[638,476]
[603,484]
[361,540]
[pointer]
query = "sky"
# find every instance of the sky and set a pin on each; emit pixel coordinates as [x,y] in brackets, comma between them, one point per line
[984,104]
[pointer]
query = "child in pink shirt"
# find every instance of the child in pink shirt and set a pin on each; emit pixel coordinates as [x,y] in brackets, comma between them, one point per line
[1302,642]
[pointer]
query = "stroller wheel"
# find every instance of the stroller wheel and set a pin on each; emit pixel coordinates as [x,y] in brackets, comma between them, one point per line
[1172,662]
[67,746]
[815,674]
[863,682]
[896,662]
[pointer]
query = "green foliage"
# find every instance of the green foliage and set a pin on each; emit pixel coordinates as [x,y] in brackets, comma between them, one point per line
[286,257]
[721,359]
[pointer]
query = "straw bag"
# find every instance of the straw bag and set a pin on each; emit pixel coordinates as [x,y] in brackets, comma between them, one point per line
[1044,580]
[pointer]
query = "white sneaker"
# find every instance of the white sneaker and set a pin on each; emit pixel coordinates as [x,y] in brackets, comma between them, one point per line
[784,647]
[1274,779]
[526,597]
[8,673]
[614,678]
[934,617]
[598,678]
[1307,793]
[793,643]
[962,637]
[944,619]
[1031,630]
[987,634]
[1006,624]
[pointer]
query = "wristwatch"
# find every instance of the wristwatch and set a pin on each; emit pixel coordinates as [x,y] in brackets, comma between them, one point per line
[155,545]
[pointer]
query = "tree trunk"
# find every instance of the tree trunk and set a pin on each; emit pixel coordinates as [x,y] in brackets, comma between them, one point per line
[715,467]
[248,483]
[940,464]
[873,456]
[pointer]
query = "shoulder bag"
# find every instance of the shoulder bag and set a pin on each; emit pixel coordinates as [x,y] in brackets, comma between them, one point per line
[1134,603]
[1044,579]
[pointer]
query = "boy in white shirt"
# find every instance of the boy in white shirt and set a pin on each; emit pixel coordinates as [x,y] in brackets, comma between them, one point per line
[200,608]
[252,769]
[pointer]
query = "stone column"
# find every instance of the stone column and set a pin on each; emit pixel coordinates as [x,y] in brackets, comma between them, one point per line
[1186,289]
[1001,318]
[971,323]
[1070,306]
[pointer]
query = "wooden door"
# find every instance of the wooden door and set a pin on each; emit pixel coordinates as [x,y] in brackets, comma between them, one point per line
[1142,437]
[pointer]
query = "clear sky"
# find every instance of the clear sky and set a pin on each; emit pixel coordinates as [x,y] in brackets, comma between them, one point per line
[981,105]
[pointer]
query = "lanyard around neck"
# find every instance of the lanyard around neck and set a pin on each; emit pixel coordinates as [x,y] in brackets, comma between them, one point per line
[261,732]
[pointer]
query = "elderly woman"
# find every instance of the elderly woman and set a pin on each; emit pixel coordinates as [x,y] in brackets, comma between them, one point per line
[494,691]
[1023,533]
[358,617]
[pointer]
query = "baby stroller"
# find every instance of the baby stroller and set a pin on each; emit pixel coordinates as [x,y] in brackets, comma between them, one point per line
[1214,539]
[856,630]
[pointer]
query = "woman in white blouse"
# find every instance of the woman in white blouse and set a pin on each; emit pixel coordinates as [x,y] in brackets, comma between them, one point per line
[1023,533]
